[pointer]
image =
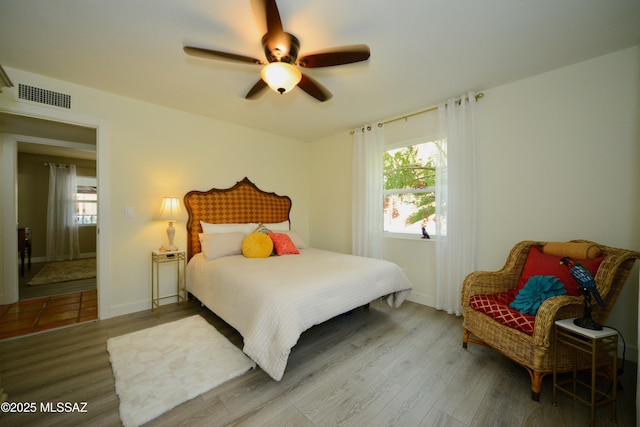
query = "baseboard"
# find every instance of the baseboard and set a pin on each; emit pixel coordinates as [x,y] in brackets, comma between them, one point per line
[136,307]
[421,299]
[44,259]
[123,309]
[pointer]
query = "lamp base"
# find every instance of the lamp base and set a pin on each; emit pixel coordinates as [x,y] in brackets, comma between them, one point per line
[171,231]
[587,323]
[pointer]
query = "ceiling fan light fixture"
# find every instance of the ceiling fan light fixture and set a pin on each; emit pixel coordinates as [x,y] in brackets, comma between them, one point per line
[281,76]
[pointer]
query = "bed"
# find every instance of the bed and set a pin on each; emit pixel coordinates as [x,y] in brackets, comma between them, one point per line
[272,300]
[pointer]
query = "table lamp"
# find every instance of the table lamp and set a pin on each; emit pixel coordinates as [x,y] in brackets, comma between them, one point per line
[169,211]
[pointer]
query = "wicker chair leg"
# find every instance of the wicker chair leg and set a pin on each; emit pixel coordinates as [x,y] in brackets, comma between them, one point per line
[536,385]
[465,338]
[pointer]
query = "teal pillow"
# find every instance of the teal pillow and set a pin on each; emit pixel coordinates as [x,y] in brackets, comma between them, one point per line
[535,291]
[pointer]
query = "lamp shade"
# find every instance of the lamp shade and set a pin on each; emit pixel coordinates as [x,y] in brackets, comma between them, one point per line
[281,76]
[169,210]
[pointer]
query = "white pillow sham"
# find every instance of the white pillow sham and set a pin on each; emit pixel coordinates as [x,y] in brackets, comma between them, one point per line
[216,245]
[208,228]
[278,226]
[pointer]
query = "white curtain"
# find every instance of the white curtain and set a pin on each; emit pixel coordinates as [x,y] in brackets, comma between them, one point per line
[455,201]
[368,149]
[62,228]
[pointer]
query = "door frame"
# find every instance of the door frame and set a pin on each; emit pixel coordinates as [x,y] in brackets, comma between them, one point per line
[9,205]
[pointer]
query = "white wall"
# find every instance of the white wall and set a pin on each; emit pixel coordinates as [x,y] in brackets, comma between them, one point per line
[557,160]
[330,206]
[155,151]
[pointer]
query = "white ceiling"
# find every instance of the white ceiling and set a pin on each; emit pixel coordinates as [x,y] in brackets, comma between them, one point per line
[422,51]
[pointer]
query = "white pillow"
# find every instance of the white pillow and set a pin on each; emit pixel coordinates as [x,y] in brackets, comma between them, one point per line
[278,226]
[227,228]
[295,238]
[216,245]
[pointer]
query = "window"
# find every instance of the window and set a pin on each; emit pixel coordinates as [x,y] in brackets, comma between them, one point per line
[409,188]
[87,200]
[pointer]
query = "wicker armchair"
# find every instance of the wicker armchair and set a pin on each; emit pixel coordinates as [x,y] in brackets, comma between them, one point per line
[535,352]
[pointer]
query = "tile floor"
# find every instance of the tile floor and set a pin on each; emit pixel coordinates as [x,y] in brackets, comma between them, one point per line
[39,314]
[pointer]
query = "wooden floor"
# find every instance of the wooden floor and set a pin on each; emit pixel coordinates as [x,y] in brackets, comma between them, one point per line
[27,292]
[380,366]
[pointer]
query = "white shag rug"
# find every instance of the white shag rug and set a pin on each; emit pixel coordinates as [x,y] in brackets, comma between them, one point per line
[159,368]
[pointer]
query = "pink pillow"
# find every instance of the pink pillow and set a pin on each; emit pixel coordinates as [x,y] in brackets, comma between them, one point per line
[282,244]
[541,264]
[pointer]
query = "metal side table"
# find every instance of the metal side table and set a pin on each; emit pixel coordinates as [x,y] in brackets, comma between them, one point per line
[158,258]
[598,346]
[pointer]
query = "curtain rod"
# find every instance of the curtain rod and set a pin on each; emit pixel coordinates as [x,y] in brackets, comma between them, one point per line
[479,96]
[62,165]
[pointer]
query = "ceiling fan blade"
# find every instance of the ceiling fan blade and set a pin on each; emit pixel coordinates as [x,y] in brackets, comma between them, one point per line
[266,12]
[278,45]
[314,88]
[256,90]
[336,56]
[219,56]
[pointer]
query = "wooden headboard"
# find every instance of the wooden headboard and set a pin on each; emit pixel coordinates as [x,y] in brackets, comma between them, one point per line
[243,203]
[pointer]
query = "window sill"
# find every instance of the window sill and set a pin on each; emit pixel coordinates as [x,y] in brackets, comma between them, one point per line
[406,236]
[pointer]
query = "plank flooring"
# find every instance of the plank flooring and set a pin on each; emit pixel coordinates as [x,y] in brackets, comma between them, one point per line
[27,292]
[373,367]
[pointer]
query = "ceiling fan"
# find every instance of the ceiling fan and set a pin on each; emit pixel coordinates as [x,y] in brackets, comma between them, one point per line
[281,72]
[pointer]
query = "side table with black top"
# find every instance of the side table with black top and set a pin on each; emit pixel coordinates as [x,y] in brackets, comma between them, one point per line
[601,347]
[159,258]
[24,244]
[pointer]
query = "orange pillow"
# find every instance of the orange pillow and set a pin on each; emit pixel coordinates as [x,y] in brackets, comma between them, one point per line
[541,264]
[282,244]
[575,250]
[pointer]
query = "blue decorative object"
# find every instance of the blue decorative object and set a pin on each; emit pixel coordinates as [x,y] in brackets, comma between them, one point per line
[535,291]
[587,284]
[585,280]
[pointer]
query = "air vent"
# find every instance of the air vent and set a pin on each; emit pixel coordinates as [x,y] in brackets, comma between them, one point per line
[43,96]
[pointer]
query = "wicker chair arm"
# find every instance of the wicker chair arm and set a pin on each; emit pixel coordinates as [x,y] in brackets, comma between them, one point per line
[487,282]
[552,309]
[490,282]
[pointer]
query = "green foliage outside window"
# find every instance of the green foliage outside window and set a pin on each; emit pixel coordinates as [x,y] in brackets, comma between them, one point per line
[409,180]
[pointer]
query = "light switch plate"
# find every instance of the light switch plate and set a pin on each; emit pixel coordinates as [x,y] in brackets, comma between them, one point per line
[128,212]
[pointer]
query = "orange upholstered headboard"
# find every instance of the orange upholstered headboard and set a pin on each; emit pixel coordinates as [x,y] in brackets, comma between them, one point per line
[243,203]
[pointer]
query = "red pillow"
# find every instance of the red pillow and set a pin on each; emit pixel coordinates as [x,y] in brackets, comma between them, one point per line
[282,244]
[541,264]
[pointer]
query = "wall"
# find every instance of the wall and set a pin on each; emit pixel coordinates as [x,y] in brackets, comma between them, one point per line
[557,160]
[559,156]
[330,206]
[33,194]
[152,151]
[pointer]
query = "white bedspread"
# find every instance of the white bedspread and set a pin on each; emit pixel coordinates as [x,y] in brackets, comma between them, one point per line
[271,301]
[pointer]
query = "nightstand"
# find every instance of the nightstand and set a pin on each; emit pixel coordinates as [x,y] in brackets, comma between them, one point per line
[169,257]
[601,347]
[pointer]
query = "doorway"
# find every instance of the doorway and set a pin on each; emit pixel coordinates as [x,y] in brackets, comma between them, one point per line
[60,136]
[40,275]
